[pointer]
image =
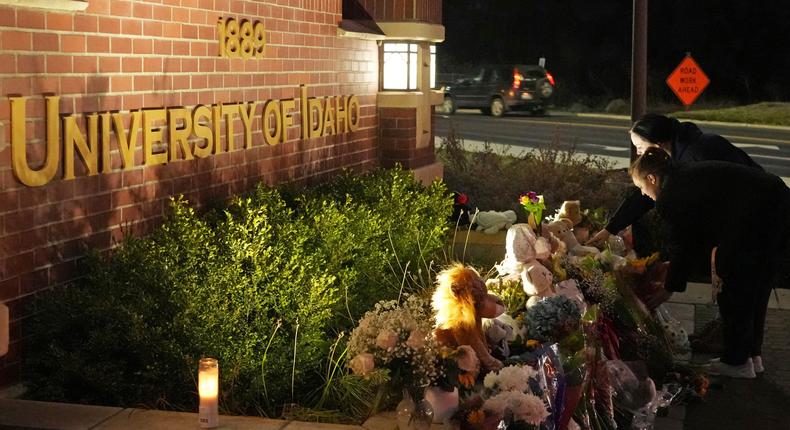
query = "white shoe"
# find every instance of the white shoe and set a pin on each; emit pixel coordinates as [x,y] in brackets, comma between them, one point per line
[744,371]
[757,361]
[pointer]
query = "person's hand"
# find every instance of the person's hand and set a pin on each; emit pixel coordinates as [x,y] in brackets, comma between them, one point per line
[601,236]
[656,298]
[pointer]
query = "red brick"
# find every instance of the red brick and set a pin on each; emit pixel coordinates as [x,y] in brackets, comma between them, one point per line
[59,64]
[86,23]
[132,64]
[85,65]
[16,40]
[121,45]
[7,19]
[171,30]
[152,64]
[46,42]
[181,48]
[162,13]
[30,64]
[142,46]
[45,85]
[72,84]
[109,64]
[122,84]
[132,26]
[121,8]
[98,44]
[142,10]
[72,43]
[109,25]
[163,47]
[28,18]
[100,7]
[60,21]
[152,28]
[98,84]
[143,83]
[189,31]
[9,289]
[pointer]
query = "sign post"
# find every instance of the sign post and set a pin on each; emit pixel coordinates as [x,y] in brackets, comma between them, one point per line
[688,80]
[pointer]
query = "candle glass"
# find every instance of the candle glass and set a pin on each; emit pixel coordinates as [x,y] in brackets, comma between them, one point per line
[208,389]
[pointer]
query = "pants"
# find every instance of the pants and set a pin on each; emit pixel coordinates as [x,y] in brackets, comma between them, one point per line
[743,306]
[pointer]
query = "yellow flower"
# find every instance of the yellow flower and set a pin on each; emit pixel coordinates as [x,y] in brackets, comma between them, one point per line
[532,343]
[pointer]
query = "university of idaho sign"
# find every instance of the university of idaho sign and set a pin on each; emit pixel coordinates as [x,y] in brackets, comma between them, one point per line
[194,133]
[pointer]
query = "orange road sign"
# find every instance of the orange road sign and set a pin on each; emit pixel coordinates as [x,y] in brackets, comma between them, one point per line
[688,81]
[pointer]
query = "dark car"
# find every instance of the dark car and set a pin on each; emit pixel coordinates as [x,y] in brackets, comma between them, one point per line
[498,89]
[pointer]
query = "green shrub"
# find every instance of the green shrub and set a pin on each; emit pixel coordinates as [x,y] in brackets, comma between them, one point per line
[261,285]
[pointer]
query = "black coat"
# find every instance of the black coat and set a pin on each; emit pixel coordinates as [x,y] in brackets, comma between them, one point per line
[690,145]
[745,212]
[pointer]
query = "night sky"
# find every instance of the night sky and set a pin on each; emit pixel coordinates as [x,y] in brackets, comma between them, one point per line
[742,45]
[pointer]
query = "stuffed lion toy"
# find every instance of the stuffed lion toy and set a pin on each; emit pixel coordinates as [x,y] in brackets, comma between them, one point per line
[461,301]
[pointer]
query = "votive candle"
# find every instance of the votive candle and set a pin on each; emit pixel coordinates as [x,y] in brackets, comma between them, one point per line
[208,389]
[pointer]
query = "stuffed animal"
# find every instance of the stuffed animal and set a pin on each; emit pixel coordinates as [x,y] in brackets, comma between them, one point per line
[562,228]
[460,302]
[498,335]
[523,250]
[490,222]
[538,283]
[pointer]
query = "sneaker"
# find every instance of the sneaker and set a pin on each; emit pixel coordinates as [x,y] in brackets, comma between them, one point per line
[758,364]
[744,371]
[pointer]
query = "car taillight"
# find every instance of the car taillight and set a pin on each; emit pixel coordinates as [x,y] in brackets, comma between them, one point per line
[550,77]
[517,78]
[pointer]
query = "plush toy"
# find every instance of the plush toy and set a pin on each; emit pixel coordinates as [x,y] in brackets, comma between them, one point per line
[490,222]
[523,250]
[498,335]
[460,302]
[571,210]
[562,228]
[537,281]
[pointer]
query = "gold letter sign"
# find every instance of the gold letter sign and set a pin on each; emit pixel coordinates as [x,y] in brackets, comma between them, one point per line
[243,40]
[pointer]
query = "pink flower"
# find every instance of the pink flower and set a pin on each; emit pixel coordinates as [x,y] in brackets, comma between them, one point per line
[387,339]
[362,364]
[533,197]
[416,339]
[467,359]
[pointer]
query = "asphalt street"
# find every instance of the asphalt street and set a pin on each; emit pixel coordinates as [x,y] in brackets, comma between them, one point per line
[605,135]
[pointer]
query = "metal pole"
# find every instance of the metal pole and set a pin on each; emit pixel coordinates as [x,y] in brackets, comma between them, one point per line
[638,65]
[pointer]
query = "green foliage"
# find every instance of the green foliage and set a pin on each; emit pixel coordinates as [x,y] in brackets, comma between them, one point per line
[775,113]
[260,284]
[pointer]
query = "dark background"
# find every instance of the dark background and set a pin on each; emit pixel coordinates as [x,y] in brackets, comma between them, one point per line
[742,45]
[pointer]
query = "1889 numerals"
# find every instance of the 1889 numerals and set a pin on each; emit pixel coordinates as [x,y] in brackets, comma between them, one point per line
[245,39]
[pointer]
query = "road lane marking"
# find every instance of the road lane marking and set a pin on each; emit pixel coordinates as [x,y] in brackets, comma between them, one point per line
[756,145]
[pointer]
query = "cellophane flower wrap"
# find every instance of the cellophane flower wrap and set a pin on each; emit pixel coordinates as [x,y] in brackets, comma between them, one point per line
[396,337]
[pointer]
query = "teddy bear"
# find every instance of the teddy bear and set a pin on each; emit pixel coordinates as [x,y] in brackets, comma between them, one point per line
[523,252]
[460,302]
[490,222]
[562,228]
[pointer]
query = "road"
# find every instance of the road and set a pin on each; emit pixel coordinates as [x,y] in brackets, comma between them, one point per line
[605,135]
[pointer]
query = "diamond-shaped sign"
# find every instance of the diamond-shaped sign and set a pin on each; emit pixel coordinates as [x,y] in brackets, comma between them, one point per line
[688,80]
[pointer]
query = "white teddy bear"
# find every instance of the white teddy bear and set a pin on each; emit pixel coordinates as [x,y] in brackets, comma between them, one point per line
[490,222]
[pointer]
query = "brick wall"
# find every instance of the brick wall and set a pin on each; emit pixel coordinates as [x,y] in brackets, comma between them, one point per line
[127,55]
[398,139]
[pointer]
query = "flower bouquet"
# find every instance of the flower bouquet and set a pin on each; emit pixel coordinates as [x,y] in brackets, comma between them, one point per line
[534,205]
[396,338]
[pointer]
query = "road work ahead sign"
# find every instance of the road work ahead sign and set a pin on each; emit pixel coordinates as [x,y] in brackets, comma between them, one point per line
[687,81]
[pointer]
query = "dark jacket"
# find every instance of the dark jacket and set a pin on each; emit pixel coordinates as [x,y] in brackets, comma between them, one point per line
[745,212]
[690,145]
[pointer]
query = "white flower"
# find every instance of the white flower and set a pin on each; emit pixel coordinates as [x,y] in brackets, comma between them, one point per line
[362,364]
[387,339]
[525,407]
[416,339]
[510,378]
